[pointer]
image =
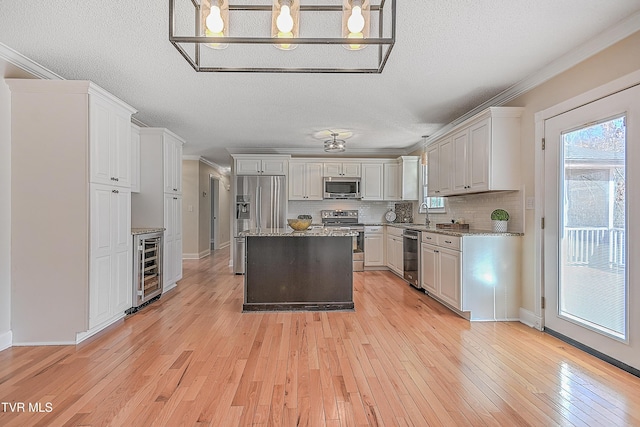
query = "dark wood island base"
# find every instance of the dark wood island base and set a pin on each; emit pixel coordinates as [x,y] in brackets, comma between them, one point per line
[298,272]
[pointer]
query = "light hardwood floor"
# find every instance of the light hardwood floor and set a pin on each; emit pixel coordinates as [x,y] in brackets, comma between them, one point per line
[193,358]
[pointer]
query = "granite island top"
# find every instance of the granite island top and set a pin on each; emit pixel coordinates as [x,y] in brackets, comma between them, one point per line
[287,232]
[433,229]
[146,230]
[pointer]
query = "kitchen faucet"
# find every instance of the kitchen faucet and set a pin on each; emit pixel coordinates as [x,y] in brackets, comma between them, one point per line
[426,214]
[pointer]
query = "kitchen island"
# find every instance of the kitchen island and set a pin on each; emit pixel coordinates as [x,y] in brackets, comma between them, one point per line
[307,270]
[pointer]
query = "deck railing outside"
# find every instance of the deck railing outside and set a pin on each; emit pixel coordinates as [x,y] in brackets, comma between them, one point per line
[584,243]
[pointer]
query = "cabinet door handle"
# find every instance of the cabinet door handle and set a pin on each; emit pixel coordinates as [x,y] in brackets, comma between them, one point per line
[115,191]
[448,241]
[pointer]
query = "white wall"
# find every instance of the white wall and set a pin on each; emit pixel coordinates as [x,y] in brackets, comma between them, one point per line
[5,216]
[616,61]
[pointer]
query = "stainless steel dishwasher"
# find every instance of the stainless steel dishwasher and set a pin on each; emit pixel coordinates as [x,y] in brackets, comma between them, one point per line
[411,257]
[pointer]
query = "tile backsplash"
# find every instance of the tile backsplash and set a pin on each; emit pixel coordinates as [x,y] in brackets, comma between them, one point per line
[368,212]
[475,210]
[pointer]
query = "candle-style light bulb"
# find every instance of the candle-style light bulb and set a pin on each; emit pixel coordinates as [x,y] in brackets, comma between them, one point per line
[284,22]
[355,23]
[214,21]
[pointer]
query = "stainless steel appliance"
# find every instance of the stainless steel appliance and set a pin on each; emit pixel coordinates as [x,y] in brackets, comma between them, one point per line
[147,267]
[347,219]
[261,203]
[411,257]
[341,188]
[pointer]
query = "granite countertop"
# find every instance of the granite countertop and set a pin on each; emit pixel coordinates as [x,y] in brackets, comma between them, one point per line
[135,231]
[432,229]
[286,232]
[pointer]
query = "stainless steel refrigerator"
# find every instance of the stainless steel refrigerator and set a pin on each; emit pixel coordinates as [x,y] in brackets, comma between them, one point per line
[261,203]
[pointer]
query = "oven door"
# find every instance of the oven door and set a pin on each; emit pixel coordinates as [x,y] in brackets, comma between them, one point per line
[411,257]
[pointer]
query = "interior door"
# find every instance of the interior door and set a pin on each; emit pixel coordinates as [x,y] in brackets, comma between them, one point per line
[591,291]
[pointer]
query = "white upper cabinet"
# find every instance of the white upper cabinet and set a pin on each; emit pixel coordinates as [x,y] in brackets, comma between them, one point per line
[342,169]
[371,186]
[481,154]
[172,151]
[135,159]
[409,176]
[440,164]
[261,165]
[392,181]
[110,142]
[305,180]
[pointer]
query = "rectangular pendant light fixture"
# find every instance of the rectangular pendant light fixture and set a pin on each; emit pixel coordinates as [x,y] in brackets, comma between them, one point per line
[286,36]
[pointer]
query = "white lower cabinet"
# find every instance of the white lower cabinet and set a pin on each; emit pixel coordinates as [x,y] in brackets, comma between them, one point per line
[374,246]
[441,273]
[172,264]
[110,254]
[394,249]
[476,275]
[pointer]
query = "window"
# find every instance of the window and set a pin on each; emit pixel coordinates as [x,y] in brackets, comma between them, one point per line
[434,204]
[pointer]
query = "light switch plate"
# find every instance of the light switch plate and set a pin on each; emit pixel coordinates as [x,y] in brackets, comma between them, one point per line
[531,203]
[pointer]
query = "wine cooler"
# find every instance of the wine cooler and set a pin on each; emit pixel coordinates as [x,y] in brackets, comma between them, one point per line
[147,267]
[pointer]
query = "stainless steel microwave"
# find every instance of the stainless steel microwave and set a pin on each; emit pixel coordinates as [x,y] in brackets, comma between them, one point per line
[341,188]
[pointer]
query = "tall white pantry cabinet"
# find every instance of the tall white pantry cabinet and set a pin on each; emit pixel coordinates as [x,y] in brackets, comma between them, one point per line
[159,202]
[70,211]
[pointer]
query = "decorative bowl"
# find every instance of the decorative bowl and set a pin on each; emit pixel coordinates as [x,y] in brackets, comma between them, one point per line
[299,224]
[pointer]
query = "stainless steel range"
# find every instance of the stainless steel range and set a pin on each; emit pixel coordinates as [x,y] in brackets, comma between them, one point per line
[347,219]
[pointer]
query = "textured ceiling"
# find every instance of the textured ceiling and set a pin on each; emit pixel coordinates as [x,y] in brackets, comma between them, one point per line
[450,56]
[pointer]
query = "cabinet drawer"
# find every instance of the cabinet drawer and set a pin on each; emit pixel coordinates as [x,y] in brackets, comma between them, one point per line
[430,238]
[452,242]
[394,231]
[373,229]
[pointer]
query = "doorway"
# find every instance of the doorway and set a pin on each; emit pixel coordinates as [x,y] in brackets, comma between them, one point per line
[214,190]
[588,283]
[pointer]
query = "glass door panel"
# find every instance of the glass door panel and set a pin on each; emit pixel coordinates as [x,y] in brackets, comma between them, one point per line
[592,286]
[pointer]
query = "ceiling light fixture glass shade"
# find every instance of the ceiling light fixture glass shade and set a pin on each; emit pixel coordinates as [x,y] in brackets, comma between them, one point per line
[355,22]
[214,21]
[285,22]
[334,145]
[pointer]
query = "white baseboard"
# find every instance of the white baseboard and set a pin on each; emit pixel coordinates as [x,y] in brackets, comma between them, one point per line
[167,288]
[6,339]
[42,343]
[224,245]
[81,336]
[529,318]
[200,255]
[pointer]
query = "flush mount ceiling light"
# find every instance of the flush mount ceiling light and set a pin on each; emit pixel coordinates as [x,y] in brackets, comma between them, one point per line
[334,145]
[227,37]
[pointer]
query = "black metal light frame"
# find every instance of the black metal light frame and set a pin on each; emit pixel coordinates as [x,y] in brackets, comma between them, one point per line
[385,44]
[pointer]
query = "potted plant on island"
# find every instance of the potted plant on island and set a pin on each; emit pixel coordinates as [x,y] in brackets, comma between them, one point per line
[499,218]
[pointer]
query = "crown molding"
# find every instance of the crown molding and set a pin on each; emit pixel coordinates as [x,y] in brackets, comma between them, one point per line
[220,169]
[319,151]
[608,37]
[26,64]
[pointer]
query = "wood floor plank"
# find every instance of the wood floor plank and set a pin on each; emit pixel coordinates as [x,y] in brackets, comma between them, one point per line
[400,359]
